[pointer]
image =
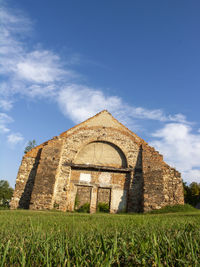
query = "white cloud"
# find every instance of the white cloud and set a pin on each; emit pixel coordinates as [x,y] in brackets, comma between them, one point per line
[24,70]
[4,120]
[41,66]
[13,28]
[80,102]
[181,148]
[6,104]
[15,138]
[4,129]
[12,138]
[177,118]
[41,73]
[192,175]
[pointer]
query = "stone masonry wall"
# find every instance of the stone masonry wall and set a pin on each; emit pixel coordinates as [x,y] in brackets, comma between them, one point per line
[162,184]
[135,196]
[173,186]
[45,179]
[153,178]
[75,142]
[109,187]
[147,189]
[25,179]
[42,194]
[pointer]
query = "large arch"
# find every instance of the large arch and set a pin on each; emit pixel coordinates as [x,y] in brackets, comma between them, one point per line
[101,153]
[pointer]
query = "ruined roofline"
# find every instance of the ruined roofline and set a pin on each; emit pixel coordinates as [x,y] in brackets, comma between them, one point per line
[29,153]
[35,150]
[96,115]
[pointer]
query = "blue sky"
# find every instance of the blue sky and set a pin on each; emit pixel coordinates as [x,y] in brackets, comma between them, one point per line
[63,61]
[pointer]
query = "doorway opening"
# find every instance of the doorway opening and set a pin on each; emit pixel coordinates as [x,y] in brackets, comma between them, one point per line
[103,199]
[83,198]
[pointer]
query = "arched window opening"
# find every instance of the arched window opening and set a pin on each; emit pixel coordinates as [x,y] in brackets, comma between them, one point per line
[101,153]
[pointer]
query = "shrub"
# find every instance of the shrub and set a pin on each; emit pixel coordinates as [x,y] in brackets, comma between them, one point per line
[103,207]
[76,203]
[84,208]
[56,205]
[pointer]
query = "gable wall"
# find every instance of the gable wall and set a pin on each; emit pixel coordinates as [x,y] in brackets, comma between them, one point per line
[72,145]
[44,180]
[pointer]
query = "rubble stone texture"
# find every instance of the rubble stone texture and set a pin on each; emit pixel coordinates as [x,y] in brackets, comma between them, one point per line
[99,160]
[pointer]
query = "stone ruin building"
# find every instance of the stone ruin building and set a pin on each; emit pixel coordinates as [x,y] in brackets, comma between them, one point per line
[97,161]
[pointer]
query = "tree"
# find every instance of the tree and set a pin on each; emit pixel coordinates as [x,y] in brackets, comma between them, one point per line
[192,193]
[31,144]
[6,193]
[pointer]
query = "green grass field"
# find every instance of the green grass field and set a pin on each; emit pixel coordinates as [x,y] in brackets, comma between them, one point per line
[39,238]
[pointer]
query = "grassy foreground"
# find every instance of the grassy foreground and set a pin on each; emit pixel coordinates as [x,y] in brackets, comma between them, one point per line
[41,238]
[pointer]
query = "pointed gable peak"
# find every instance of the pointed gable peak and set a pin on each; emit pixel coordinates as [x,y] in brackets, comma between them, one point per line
[102,119]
